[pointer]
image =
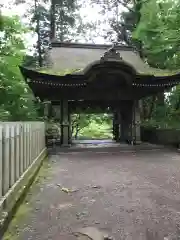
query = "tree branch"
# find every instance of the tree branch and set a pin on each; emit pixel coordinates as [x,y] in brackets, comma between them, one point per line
[125,5]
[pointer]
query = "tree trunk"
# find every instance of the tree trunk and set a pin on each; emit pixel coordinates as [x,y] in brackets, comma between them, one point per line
[37,17]
[151,107]
[160,99]
[77,131]
[52,21]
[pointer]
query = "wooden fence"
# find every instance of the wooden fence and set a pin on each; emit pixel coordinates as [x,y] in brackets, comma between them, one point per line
[20,144]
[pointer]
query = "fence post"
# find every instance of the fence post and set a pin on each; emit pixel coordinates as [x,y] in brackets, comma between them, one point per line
[17,151]
[28,144]
[5,175]
[12,155]
[43,135]
[33,144]
[40,137]
[24,147]
[36,141]
[1,159]
[21,149]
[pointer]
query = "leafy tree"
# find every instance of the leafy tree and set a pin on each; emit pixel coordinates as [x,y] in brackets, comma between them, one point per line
[158,31]
[67,24]
[65,12]
[15,97]
[91,125]
[61,21]
[79,122]
[41,19]
[121,17]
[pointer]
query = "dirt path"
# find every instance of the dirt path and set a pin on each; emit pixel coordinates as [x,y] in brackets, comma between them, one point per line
[124,193]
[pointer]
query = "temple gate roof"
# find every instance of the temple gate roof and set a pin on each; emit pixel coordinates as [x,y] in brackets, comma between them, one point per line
[103,72]
[77,56]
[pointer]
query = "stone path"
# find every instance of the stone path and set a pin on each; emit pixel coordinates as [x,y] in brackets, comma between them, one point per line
[129,195]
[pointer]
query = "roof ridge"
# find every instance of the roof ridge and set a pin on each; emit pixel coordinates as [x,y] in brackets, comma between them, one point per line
[56,43]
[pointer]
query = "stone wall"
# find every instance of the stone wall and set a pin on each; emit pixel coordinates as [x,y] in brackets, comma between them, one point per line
[160,136]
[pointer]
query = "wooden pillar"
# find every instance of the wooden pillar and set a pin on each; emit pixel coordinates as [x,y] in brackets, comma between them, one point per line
[126,116]
[115,127]
[48,109]
[123,126]
[137,123]
[45,109]
[69,120]
[65,125]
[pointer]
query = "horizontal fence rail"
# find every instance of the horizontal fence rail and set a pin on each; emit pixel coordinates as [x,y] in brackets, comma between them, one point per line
[20,144]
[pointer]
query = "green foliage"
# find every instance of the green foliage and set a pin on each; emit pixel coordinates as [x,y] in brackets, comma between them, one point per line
[41,18]
[15,97]
[97,131]
[70,25]
[158,30]
[91,125]
[65,18]
[84,126]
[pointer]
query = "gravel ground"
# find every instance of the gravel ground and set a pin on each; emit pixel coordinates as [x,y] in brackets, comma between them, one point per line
[129,194]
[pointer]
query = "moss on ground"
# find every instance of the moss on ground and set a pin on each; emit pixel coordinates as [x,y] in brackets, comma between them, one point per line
[26,208]
[23,211]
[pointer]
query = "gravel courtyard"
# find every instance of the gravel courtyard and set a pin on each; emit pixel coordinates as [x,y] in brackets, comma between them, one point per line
[131,194]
